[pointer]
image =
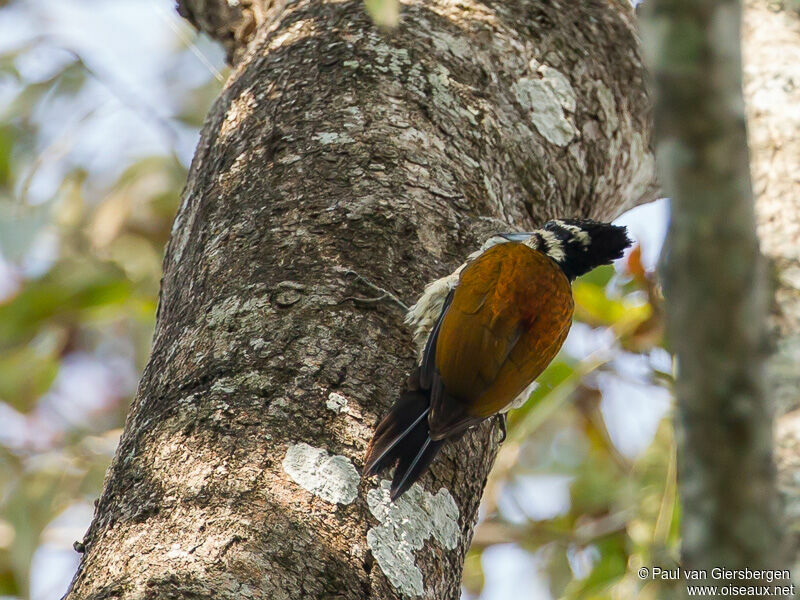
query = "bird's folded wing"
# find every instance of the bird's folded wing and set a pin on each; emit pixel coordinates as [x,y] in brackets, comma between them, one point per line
[503,326]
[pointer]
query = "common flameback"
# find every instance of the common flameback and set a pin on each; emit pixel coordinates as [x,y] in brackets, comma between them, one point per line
[487,331]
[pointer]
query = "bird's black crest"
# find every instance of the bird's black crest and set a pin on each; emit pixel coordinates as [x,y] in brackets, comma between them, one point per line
[584,244]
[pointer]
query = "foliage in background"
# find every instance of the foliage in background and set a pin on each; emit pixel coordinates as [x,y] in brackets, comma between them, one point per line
[385,13]
[620,511]
[81,241]
[80,265]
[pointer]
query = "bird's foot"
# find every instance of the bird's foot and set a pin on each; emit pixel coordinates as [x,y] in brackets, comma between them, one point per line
[500,419]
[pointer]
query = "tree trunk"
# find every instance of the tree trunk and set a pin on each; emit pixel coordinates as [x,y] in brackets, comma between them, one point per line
[716,293]
[340,151]
[771,47]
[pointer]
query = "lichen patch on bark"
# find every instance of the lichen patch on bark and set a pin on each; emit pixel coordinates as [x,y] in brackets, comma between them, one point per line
[336,402]
[331,477]
[405,525]
[559,83]
[546,111]
[606,99]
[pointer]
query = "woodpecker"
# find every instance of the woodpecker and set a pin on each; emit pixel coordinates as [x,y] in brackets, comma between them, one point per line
[485,332]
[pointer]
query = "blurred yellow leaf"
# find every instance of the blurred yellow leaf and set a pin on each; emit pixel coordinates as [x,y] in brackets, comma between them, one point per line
[594,307]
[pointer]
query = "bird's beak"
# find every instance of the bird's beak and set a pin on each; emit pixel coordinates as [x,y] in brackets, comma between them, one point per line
[516,237]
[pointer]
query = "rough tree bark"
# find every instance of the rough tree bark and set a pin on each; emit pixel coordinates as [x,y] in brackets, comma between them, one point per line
[335,149]
[716,292]
[771,49]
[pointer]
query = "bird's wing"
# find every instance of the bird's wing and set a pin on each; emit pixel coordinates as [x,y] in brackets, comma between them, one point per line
[509,310]
[427,366]
[526,361]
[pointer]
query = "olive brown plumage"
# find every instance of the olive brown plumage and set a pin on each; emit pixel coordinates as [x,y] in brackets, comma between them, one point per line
[502,317]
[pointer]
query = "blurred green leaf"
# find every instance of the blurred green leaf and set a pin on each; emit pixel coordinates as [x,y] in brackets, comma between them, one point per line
[6,148]
[193,111]
[607,571]
[596,489]
[93,285]
[8,583]
[25,374]
[33,501]
[599,277]
[385,13]
[473,578]
[556,373]
[71,79]
[64,296]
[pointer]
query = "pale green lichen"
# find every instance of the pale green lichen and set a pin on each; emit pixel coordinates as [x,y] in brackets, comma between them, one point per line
[609,107]
[444,42]
[396,58]
[440,78]
[254,380]
[546,111]
[331,477]
[224,385]
[560,85]
[327,137]
[223,313]
[234,312]
[336,402]
[405,525]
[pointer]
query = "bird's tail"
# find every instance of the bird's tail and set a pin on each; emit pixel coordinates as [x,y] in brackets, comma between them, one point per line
[403,437]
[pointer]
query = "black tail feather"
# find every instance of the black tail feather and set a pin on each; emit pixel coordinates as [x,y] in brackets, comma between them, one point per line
[402,437]
[384,449]
[420,452]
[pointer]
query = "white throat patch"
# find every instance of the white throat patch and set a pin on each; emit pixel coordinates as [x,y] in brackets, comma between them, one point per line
[553,246]
[579,234]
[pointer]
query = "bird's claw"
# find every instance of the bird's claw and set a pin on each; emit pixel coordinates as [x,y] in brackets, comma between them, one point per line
[500,418]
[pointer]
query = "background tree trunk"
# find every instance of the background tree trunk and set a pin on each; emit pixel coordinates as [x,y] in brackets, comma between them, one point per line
[771,48]
[716,292]
[338,148]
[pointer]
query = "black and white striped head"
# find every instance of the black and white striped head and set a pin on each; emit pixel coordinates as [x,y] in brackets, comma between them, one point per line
[578,245]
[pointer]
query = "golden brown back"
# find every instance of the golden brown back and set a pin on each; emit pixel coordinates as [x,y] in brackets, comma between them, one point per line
[509,316]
